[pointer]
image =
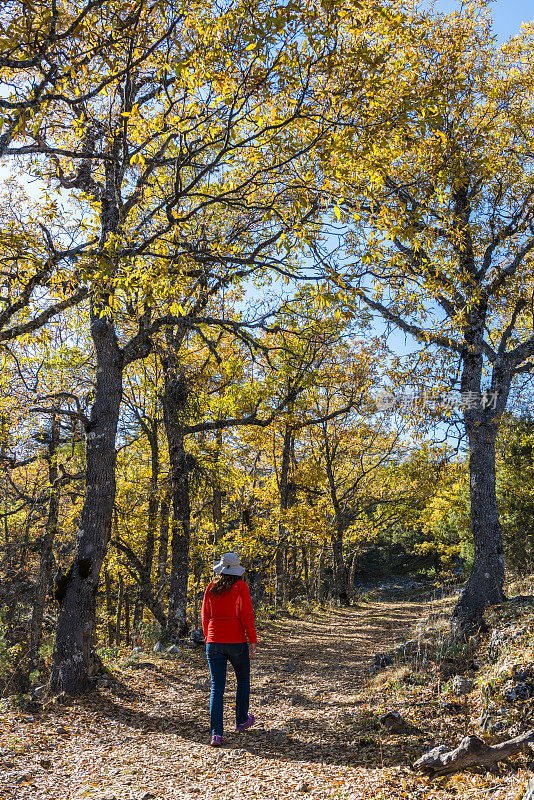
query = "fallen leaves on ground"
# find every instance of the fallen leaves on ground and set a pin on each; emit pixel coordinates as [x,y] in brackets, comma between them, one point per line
[317,733]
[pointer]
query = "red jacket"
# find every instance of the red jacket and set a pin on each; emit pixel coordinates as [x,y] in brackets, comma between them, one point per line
[229,617]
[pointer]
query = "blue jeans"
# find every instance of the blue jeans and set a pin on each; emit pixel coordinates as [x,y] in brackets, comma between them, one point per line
[218,655]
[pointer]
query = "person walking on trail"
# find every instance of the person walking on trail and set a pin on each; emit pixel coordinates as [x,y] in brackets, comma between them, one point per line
[228,622]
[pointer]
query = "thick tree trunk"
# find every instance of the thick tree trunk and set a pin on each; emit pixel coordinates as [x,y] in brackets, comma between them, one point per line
[163,542]
[175,408]
[181,533]
[76,622]
[485,583]
[46,561]
[486,580]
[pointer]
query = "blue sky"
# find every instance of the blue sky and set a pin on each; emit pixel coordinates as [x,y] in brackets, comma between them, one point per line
[507,14]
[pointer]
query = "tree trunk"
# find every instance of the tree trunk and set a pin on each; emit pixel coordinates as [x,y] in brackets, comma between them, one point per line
[320,576]
[127,636]
[109,609]
[352,574]
[181,533]
[218,529]
[120,602]
[340,569]
[306,570]
[175,409]
[76,621]
[485,583]
[46,561]
[153,502]
[286,500]
[163,543]
[279,576]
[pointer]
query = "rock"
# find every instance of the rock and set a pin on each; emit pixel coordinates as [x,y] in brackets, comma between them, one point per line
[496,643]
[514,691]
[197,637]
[381,661]
[523,672]
[238,752]
[394,722]
[528,793]
[303,786]
[136,651]
[173,650]
[461,685]
[62,731]
[204,684]
[159,647]
[45,763]
[31,706]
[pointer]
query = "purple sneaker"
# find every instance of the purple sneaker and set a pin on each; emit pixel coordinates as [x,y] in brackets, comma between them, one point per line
[251,719]
[216,741]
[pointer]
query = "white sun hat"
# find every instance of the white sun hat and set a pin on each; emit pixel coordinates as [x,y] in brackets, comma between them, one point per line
[228,565]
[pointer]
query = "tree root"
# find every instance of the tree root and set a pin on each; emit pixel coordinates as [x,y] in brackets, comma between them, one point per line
[472,752]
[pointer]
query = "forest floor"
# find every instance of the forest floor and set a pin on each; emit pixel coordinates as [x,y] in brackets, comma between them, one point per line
[316,735]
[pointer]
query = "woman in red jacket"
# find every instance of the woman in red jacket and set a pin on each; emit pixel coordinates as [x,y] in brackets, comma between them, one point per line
[228,621]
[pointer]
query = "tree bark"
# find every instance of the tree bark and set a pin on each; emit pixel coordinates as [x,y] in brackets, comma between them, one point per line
[163,542]
[286,499]
[127,635]
[181,533]
[46,560]
[109,609]
[340,568]
[486,580]
[175,409]
[320,576]
[120,602]
[472,752]
[485,583]
[153,502]
[76,621]
[218,529]
[306,570]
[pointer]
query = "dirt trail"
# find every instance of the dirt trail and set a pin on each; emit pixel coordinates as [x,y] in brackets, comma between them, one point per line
[147,738]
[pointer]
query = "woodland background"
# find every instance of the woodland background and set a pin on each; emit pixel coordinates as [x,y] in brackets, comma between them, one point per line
[204,211]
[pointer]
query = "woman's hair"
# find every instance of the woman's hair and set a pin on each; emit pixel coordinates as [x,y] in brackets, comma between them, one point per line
[223,583]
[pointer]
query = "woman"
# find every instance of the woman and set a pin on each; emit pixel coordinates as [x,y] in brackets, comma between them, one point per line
[228,620]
